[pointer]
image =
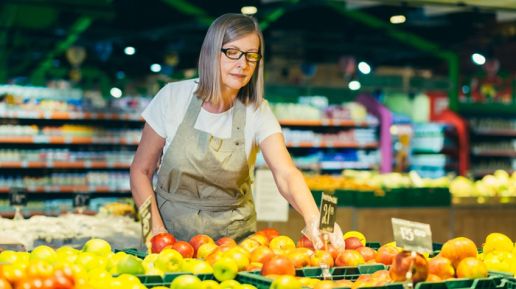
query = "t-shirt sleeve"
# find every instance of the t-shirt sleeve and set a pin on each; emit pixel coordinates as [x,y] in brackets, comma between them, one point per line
[154,113]
[266,123]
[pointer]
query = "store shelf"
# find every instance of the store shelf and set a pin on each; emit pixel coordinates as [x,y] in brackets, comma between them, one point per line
[69,189]
[488,108]
[335,144]
[64,164]
[62,115]
[495,153]
[43,139]
[327,122]
[495,132]
[481,173]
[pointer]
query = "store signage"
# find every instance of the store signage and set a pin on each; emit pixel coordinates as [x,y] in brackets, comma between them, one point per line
[81,199]
[17,197]
[145,217]
[412,236]
[270,205]
[328,211]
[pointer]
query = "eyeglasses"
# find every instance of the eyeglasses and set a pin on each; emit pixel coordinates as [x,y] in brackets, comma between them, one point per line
[236,54]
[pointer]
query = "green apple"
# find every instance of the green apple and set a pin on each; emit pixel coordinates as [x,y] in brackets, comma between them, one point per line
[210,284]
[130,265]
[67,254]
[286,282]
[90,261]
[98,247]
[169,260]
[8,257]
[225,269]
[196,266]
[186,282]
[230,284]
[248,286]
[44,253]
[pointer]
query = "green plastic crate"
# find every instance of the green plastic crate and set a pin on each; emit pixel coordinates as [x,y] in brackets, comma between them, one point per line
[509,283]
[370,199]
[373,245]
[134,252]
[426,197]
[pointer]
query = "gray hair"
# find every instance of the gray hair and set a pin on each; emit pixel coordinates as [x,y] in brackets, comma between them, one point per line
[224,29]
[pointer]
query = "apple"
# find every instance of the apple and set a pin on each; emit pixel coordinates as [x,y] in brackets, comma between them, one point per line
[225,269]
[196,266]
[278,265]
[254,266]
[304,242]
[343,283]
[249,244]
[198,240]
[130,265]
[471,267]
[405,261]
[367,253]
[333,251]
[321,257]
[261,254]
[184,248]
[441,267]
[281,244]
[350,258]
[206,249]
[433,278]
[169,260]
[207,284]
[286,282]
[263,240]
[300,257]
[457,249]
[270,233]
[353,243]
[382,275]
[160,241]
[217,254]
[226,241]
[325,284]
[230,284]
[239,255]
[248,286]
[386,254]
[44,253]
[186,282]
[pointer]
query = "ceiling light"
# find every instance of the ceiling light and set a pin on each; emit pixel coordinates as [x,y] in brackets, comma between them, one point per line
[116,92]
[364,67]
[398,19]
[249,10]
[129,50]
[354,85]
[155,67]
[478,58]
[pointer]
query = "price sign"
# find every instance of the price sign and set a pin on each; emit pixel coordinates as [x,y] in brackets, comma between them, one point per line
[412,236]
[145,217]
[17,197]
[81,199]
[328,209]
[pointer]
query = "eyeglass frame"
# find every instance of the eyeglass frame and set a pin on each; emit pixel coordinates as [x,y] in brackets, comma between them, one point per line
[224,50]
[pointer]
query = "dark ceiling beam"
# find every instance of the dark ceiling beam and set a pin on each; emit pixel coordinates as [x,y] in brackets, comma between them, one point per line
[188,9]
[77,28]
[411,40]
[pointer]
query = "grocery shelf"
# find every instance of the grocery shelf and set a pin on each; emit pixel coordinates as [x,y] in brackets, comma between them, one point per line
[68,189]
[331,144]
[495,132]
[326,122]
[482,172]
[87,164]
[483,202]
[45,139]
[63,115]
[495,153]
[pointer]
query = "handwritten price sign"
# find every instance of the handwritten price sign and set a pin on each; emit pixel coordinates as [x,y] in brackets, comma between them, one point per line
[412,236]
[328,210]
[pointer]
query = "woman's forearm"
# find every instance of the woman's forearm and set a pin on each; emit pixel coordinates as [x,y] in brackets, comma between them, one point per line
[141,188]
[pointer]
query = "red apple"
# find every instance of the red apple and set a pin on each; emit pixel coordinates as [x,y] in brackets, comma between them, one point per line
[433,278]
[353,243]
[334,252]
[304,242]
[262,239]
[226,241]
[350,258]
[205,249]
[320,257]
[184,248]
[254,266]
[386,254]
[160,241]
[261,254]
[270,233]
[441,267]
[457,249]
[300,257]
[343,283]
[367,253]
[278,265]
[405,261]
[471,267]
[198,240]
[382,275]
[281,245]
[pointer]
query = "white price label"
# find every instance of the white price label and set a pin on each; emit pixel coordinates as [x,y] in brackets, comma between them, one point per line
[412,236]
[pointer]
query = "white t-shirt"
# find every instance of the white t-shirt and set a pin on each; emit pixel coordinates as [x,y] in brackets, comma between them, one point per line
[167,109]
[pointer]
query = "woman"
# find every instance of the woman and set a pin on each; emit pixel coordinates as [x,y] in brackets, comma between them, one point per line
[208,132]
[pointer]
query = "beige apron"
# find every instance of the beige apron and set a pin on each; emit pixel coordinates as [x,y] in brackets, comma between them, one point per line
[204,185]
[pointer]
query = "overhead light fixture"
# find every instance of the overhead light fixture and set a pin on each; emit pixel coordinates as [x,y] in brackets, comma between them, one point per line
[116,92]
[155,67]
[398,19]
[354,85]
[478,58]
[364,67]
[129,50]
[249,10]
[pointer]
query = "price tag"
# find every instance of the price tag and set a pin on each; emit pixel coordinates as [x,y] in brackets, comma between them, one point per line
[328,210]
[145,217]
[17,197]
[412,236]
[81,199]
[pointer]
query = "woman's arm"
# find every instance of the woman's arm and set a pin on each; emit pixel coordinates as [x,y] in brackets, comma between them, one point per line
[142,168]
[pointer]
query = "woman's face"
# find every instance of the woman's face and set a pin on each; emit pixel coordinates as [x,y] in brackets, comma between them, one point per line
[237,73]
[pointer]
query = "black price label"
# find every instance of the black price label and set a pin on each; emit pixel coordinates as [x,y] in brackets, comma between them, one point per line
[17,197]
[328,210]
[145,217]
[412,236]
[81,199]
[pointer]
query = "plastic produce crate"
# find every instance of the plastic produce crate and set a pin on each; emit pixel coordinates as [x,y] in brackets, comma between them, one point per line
[426,197]
[377,199]
[134,252]
[509,283]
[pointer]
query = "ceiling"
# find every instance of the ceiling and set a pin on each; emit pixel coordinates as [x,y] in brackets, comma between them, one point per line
[34,34]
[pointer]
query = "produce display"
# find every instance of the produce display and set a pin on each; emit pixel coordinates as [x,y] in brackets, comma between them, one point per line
[499,184]
[262,260]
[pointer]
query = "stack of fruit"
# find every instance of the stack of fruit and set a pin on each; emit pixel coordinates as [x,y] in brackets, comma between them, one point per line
[499,184]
